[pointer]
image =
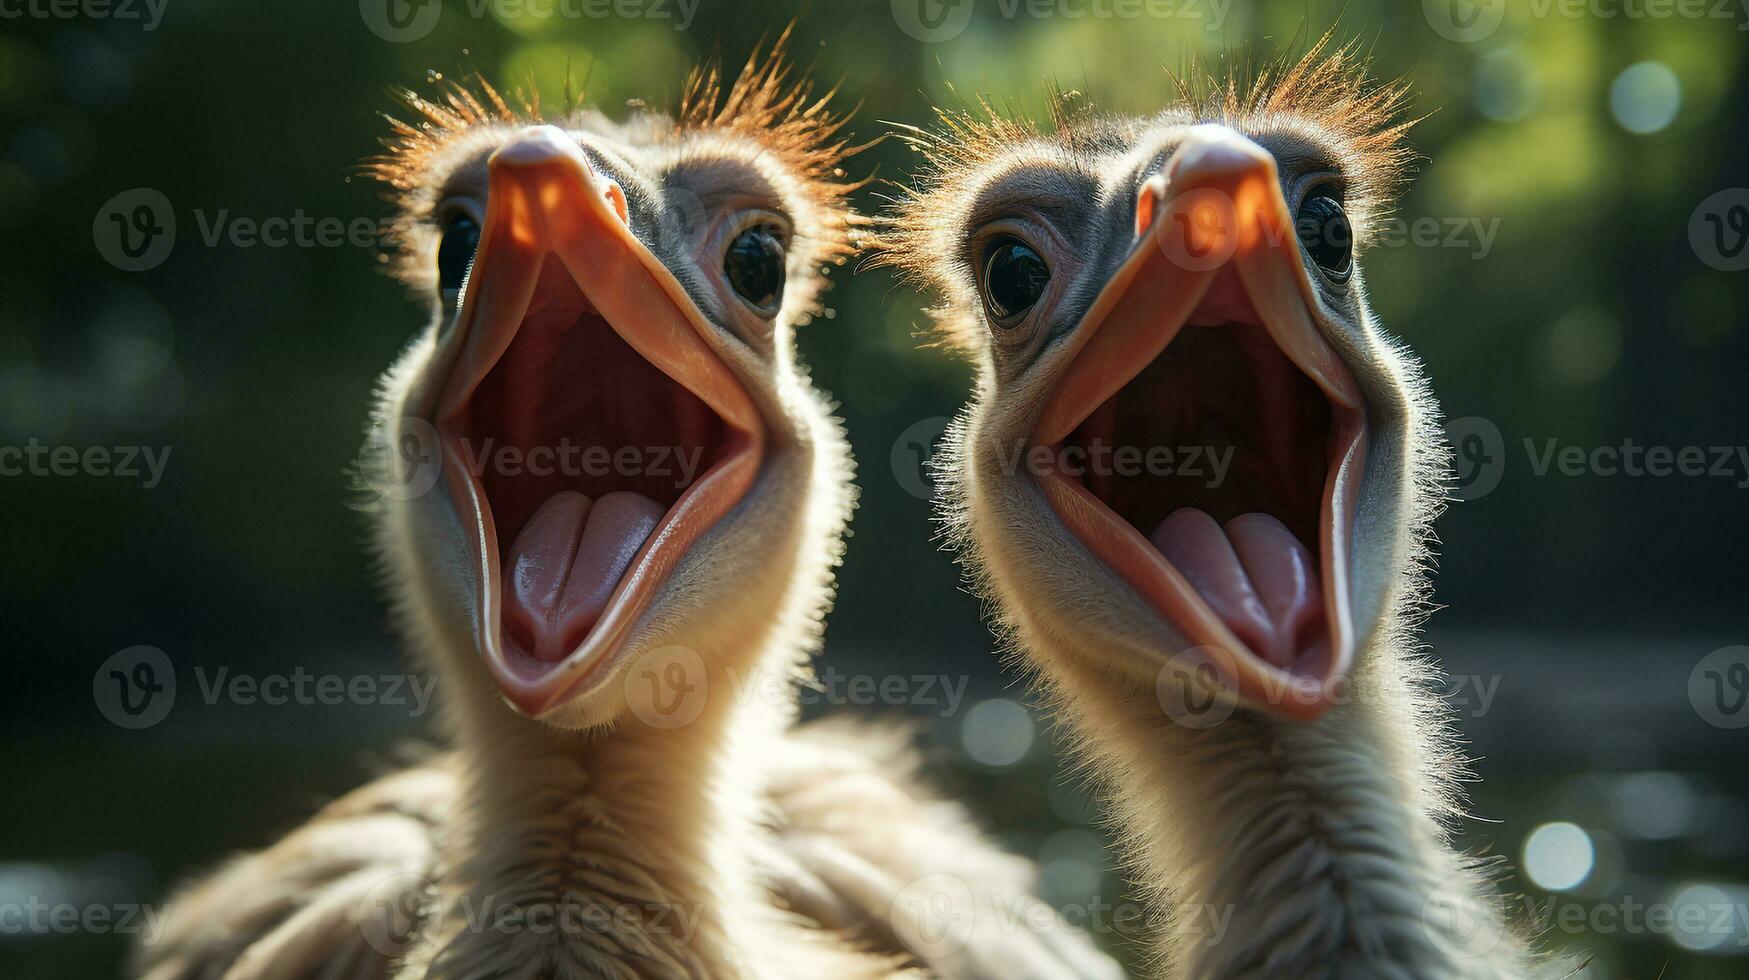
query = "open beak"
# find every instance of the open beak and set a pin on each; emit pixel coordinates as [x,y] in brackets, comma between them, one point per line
[1202,349]
[590,433]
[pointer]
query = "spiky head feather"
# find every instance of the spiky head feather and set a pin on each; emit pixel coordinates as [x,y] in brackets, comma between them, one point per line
[769,104]
[1328,96]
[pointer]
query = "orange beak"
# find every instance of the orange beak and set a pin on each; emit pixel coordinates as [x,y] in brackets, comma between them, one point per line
[1217,245]
[558,278]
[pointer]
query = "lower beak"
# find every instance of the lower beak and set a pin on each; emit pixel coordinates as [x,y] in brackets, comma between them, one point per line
[1217,249]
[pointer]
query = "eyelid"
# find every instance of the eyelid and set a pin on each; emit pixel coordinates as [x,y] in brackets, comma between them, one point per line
[449,207]
[740,220]
[1034,234]
[1306,184]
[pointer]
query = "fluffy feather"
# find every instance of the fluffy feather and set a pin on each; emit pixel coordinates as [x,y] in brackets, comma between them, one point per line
[1312,849]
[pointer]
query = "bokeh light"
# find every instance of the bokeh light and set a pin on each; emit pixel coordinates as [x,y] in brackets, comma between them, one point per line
[1558,856]
[997,733]
[1645,97]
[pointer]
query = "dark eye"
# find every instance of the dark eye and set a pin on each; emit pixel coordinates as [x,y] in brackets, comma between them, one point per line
[1014,278]
[461,237]
[1324,231]
[754,266]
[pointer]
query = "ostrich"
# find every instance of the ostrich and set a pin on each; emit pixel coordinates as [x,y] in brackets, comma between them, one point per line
[624,795]
[1195,481]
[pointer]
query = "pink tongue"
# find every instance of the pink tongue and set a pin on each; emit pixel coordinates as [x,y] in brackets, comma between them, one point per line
[1256,576]
[565,564]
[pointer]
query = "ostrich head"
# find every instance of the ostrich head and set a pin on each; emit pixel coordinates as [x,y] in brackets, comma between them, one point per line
[1192,452]
[614,451]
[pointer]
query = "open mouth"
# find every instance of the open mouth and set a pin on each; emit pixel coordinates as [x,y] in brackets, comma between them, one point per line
[582,447]
[1216,454]
[591,434]
[1209,443]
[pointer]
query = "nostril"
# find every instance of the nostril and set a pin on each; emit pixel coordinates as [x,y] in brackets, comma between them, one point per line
[1148,203]
[616,199]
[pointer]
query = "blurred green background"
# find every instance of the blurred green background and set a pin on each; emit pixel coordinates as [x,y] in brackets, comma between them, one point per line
[1581,301]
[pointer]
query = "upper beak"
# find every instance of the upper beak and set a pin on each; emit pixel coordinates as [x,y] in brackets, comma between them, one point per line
[545,200]
[1216,205]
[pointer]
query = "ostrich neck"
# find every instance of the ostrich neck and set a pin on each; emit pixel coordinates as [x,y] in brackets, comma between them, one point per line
[1290,849]
[581,839]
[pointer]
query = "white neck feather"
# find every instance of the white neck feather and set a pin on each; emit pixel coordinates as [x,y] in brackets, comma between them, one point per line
[631,840]
[1296,849]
